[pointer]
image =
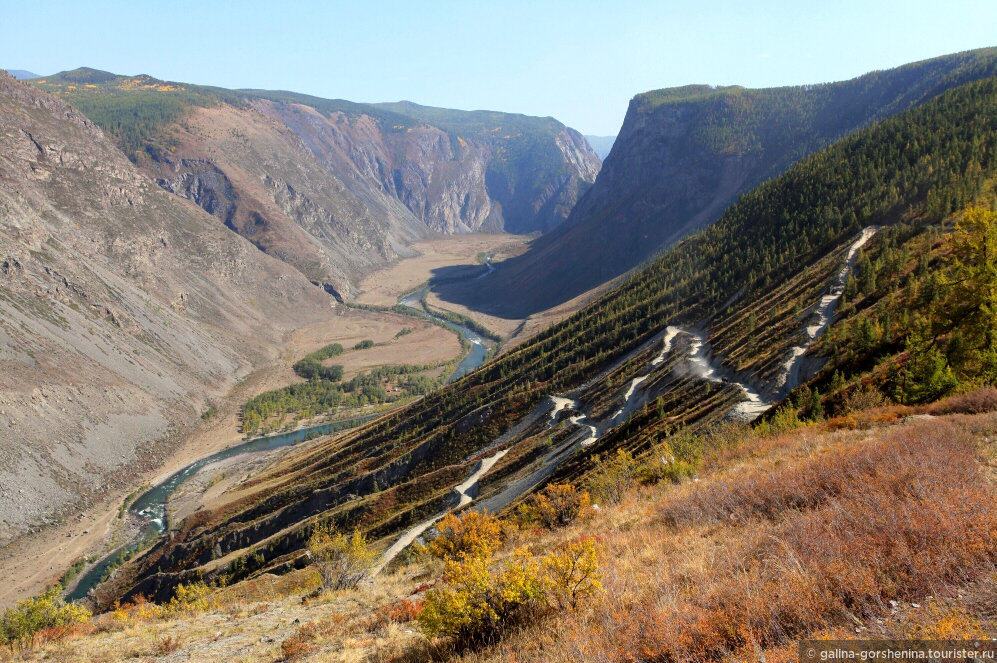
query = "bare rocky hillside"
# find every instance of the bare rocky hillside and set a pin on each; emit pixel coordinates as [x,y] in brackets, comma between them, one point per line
[333,187]
[123,310]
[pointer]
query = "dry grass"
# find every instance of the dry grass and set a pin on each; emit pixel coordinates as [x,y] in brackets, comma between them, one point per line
[886,529]
[811,533]
[270,618]
[977,401]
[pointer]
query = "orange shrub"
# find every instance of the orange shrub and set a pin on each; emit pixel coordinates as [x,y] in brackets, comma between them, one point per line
[473,534]
[402,611]
[977,401]
[556,505]
[299,644]
[167,645]
[808,544]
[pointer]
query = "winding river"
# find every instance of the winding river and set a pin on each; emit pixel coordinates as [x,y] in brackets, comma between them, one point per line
[479,347]
[150,506]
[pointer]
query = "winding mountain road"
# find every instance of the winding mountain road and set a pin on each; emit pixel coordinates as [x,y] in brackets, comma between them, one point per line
[789,377]
[465,497]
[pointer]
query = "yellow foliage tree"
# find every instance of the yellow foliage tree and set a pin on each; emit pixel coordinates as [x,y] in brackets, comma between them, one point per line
[556,505]
[572,573]
[342,561]
[481,599]
[473,534]
[18,625]
[190,599]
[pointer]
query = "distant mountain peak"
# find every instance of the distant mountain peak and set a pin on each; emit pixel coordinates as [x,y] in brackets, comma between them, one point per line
[85,75]
[22,74]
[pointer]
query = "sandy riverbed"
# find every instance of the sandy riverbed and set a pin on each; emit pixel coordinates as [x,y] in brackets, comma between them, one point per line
[384,286]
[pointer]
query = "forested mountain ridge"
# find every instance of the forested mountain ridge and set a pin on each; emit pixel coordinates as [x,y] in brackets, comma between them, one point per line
[333,187]
[123,311]
[785,238]
[684,154]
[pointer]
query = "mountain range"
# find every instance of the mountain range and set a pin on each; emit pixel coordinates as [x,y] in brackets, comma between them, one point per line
[683,156]
[332,187]
[22,74]
[601,145]
[727,324]
[764,268]
[124,310]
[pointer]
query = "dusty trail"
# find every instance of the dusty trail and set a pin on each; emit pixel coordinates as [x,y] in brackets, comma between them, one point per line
[702,365]
[789,377]
[749,409]
[463,491]
[628,399]
[489,265]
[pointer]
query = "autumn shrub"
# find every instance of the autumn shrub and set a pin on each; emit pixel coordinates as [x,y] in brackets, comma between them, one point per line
[977,401]
[20,624]
[402,611]
[190,599]
[571,573]
[299,644]
[481,599]
[939,621]
[784,420]
[726,434]
[614,476]
[815,542]
[342,561]
[555,506]
[167,645]
[472,534]
[863,398]
[138,609]
[665,462]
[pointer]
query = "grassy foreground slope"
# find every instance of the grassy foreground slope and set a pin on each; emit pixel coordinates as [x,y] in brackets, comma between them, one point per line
[883,528]
[914,169]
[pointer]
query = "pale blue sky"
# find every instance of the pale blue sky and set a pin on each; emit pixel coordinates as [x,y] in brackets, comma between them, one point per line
[580,62]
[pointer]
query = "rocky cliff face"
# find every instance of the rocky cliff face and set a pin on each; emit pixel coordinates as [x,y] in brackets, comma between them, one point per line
[683,155]
[340,194]
[123,308]
[336,188]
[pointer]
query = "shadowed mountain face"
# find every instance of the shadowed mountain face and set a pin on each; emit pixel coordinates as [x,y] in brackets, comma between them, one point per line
[123,310]
[332,187]
[684,155]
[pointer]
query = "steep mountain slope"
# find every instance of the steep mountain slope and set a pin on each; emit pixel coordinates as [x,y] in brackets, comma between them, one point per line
[123,310]
[683,155]
[627,371]
[334,187]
